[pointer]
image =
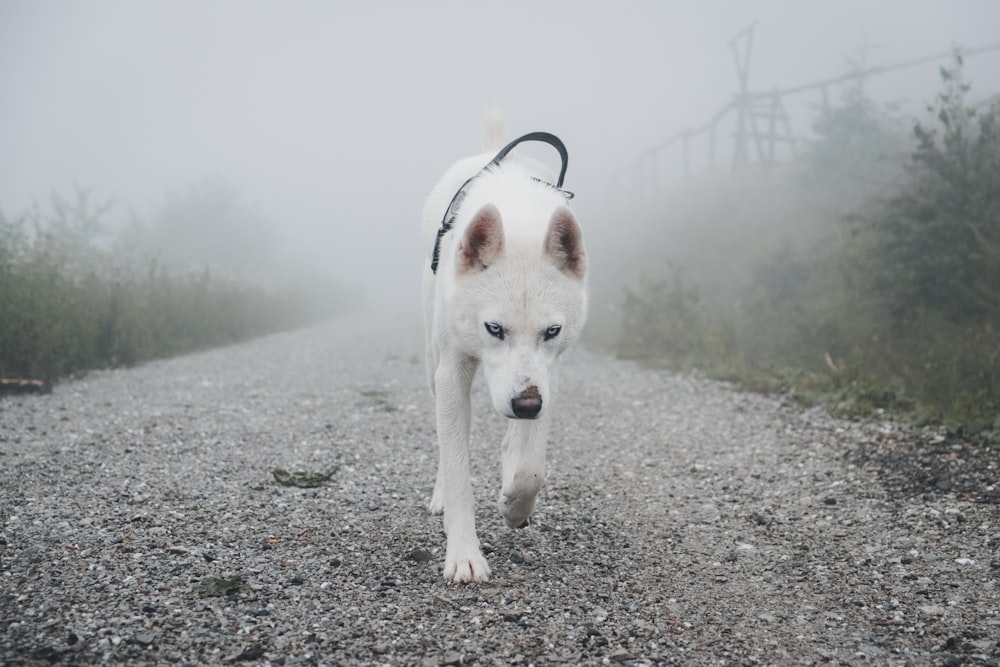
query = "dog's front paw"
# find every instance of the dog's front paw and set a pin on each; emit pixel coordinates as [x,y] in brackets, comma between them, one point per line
[469,567]
[516,511]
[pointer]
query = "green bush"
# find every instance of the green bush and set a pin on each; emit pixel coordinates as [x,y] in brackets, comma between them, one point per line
[929,257]
[73,298]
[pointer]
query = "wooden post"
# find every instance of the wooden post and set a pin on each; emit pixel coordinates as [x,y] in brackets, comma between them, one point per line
[788,125]
[772,129]
[745,110]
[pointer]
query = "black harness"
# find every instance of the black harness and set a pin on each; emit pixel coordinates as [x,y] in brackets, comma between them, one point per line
[450,213]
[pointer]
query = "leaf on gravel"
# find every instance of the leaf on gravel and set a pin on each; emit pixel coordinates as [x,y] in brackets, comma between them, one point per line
[305,480]
[219,586]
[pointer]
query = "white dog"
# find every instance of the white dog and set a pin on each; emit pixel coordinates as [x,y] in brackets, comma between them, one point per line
[505,287]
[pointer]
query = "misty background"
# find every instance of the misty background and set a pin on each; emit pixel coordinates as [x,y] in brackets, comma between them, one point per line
[331,121]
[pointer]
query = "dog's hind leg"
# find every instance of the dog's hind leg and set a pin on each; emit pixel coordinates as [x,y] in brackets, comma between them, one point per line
[523,468]
[436,505]
[464,561]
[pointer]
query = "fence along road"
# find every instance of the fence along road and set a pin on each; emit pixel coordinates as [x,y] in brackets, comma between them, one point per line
[754,125]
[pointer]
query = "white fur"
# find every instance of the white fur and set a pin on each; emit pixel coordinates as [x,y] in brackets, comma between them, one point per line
[528,278]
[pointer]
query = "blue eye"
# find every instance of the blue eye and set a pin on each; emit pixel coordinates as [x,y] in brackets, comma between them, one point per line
[494,329]
[552,331]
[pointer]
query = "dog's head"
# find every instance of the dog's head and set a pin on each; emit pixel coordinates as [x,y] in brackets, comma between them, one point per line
[520,301]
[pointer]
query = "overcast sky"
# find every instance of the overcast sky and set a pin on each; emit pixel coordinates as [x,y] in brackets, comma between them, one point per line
[335,118]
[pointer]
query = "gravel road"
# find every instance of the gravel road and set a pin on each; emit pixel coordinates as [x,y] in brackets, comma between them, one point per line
[683,522]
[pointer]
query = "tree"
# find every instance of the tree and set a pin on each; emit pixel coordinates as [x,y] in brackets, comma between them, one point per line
[938,241]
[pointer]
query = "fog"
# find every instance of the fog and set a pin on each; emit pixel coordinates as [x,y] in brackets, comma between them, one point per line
[334,119]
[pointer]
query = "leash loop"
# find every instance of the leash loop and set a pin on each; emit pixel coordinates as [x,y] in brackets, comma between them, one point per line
[450,213]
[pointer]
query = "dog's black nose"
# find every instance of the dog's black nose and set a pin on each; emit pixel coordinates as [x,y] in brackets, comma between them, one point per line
[528,404]
[526,408]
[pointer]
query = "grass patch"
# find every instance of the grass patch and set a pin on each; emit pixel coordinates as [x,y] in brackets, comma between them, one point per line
[667,326]
[74,297]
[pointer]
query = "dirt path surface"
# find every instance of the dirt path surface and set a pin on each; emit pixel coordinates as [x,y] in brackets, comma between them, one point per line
[683,522]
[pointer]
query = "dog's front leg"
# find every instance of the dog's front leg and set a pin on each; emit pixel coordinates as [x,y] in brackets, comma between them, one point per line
[464,561]
[523,468]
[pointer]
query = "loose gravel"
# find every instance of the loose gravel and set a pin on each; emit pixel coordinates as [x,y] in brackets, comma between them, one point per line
[683,522]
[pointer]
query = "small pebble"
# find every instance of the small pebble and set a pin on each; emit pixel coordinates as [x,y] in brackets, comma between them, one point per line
[420,555]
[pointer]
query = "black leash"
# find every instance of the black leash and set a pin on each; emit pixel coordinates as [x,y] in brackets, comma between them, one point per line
[450,213]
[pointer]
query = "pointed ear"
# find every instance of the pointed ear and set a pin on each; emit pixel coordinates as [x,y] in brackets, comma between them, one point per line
[564,244]
[482,242]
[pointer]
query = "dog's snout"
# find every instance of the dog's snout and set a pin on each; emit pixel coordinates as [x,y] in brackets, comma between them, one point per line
[528,404]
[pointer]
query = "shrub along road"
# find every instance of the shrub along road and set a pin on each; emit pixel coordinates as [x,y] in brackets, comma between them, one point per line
[683,521]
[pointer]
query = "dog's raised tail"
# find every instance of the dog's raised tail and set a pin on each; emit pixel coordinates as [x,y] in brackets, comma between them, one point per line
[494,131]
